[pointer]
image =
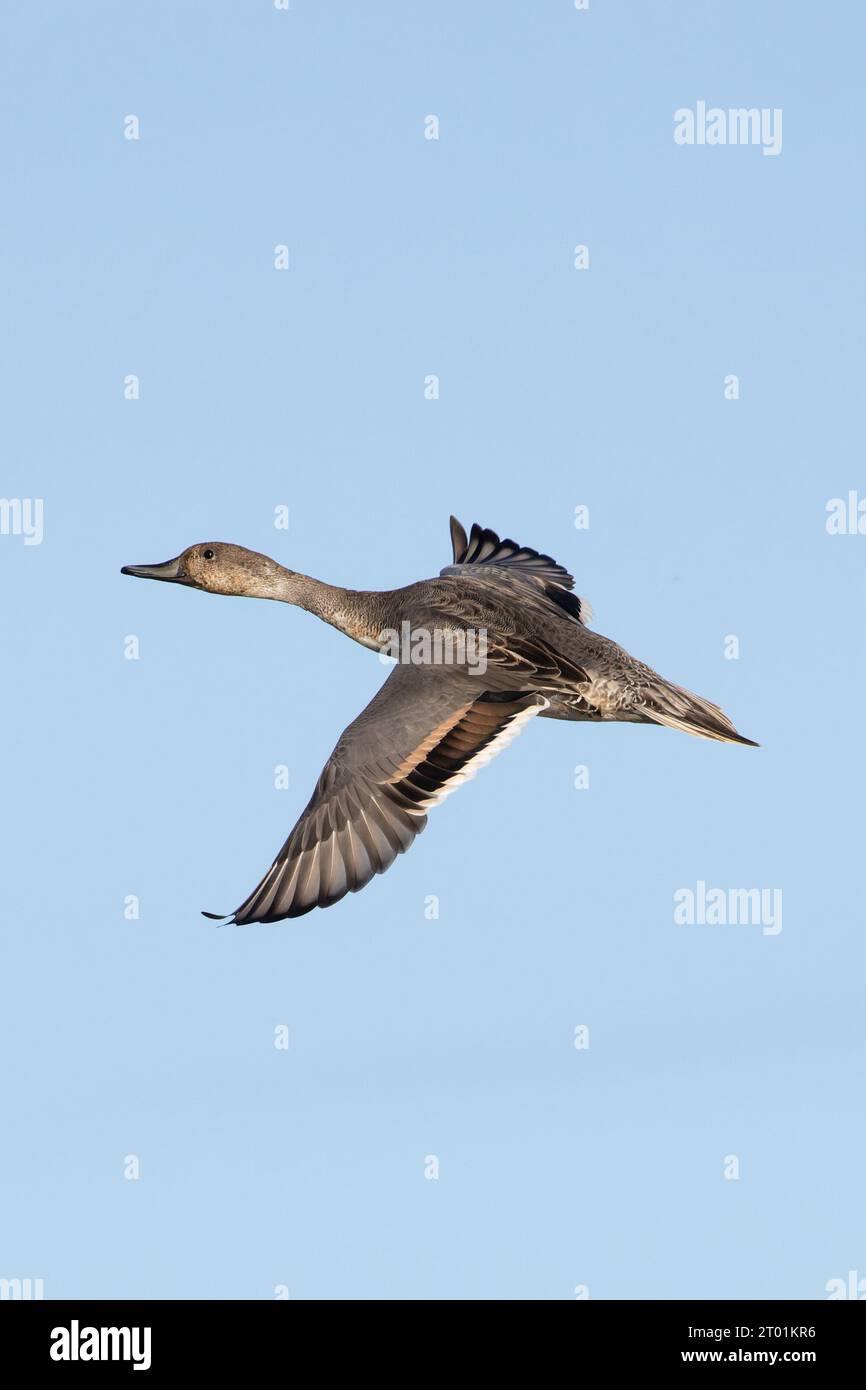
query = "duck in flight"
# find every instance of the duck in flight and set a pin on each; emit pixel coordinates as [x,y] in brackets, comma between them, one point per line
[435,721]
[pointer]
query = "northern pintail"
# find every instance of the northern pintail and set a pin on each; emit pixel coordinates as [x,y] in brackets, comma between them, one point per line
[496,639]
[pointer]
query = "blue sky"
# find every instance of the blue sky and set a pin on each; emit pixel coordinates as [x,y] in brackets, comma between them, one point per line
[305,1168]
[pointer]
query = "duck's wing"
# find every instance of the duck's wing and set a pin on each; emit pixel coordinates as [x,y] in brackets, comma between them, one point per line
[483,547]
[427,730]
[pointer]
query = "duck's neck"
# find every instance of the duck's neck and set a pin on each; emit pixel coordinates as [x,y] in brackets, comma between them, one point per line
[361,614]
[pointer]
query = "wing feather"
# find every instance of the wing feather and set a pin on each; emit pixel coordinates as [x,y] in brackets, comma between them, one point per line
[369,806]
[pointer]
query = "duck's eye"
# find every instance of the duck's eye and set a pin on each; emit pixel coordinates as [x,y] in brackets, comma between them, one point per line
[208,554]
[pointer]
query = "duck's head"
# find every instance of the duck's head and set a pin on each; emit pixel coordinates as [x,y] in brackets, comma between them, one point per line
[219,568]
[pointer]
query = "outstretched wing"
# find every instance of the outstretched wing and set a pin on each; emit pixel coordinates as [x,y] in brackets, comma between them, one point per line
[423,733]
[483,547]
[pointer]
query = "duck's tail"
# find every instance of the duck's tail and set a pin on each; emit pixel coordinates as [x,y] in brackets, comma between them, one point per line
[680,709]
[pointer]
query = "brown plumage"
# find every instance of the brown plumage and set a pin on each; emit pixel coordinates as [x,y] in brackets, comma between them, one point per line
[516,645]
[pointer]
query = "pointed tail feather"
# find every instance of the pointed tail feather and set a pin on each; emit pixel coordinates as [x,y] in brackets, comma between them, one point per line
[680,709]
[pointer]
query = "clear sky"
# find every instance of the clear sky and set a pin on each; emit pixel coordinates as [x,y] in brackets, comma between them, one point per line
[608,1166]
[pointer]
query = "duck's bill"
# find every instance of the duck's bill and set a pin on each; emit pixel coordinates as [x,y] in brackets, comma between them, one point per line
[172,571]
